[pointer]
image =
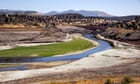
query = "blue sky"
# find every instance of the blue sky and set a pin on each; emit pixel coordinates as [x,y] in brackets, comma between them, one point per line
[114,7]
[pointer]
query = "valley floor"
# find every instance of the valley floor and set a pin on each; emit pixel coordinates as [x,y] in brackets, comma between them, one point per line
[112,63]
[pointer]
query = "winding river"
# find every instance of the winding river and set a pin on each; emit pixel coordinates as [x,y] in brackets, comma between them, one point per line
[103,45]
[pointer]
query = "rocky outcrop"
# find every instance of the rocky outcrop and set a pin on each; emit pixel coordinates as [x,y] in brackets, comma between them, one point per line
[122,34]
[115,43]
[133,36]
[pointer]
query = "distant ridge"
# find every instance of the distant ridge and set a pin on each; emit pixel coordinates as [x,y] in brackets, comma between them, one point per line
[19,12]
[82,12]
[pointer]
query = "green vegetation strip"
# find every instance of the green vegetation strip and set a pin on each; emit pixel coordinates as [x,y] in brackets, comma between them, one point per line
[8,65]
[76,44]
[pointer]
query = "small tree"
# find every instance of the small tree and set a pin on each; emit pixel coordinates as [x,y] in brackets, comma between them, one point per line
[126,80]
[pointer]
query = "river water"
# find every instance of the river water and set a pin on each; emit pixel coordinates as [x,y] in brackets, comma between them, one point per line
[103,45]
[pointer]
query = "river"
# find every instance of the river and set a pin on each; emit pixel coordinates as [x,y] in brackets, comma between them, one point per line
[103,45]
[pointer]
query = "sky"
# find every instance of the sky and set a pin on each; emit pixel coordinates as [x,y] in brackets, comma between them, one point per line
[114,7]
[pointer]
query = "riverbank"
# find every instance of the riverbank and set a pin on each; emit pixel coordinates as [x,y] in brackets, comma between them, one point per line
[32,33]
[102,62]
[26,37]
[12,37]
[68,38]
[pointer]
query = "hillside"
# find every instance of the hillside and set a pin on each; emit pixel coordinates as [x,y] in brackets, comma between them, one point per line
[120,18]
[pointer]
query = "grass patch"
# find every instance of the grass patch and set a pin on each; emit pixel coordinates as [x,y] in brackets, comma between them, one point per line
[76,44]
[109,56]
[116,47]
[105,55]
[116,56]
[8,65]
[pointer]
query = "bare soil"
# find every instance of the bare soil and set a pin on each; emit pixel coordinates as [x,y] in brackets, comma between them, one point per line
[131,69]
[10,36]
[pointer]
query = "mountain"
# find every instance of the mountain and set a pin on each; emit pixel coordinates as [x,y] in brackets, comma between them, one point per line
[19,12]
[82,12]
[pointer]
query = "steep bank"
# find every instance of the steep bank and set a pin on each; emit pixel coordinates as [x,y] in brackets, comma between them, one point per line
[121,34]
[40,35]
[124,35]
